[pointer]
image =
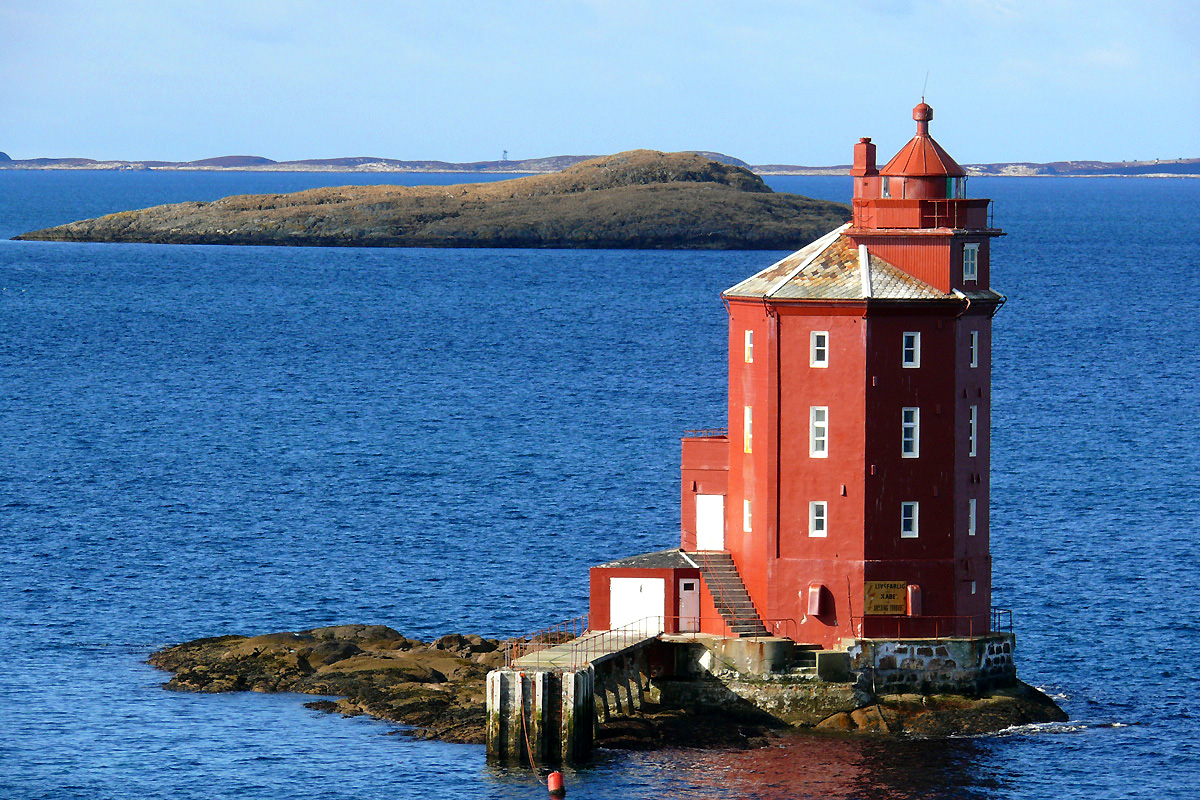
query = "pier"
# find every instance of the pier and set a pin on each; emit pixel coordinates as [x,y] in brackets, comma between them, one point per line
[542,708]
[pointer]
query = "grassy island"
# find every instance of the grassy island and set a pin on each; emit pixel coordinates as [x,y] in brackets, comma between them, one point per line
[636,199]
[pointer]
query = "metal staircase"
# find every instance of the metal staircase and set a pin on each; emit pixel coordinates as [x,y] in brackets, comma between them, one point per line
[729,593]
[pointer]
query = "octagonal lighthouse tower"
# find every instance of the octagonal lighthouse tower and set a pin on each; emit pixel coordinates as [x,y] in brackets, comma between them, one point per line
[856,485]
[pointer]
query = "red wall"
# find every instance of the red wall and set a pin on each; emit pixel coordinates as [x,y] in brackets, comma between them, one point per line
[935,258]
[864,478]
[834,561]
[598,611]
[751,474]
[704,470]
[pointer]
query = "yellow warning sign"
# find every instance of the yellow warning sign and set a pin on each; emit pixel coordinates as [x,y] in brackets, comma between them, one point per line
[885,597]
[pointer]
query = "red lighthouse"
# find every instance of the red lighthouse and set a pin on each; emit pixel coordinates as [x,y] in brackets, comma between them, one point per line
[849,499]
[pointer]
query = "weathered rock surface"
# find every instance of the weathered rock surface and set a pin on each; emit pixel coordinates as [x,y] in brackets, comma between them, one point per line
[438,688]
[941,715]
[636,199]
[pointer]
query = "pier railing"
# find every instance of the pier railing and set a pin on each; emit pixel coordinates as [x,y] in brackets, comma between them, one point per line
[544,638]
[567,646]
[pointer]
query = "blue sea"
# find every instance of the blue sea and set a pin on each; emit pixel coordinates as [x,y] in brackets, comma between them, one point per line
[204,440]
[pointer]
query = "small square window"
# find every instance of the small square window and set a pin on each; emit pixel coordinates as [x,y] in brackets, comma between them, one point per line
[818,431]
[911,350]
[819,351]
[970,263]
[749,347]
[910,432]
[746,516]
[818,519]
[908,520]
[974,349]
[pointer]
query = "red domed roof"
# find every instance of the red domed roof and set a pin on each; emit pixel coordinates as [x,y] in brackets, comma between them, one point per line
[922,156]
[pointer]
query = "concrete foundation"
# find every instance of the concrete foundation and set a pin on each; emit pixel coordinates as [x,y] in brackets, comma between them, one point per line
[799,701]
[622,685]
[924,666]
[540,718]
[548,717]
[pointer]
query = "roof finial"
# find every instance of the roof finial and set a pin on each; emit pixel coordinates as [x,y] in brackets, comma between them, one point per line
[922,114]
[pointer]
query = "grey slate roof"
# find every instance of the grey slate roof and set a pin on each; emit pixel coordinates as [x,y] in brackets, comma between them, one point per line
[663,559]
[830,269]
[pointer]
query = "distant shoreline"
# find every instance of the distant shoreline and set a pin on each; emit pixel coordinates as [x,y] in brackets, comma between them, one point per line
[809,173]
[1162,168]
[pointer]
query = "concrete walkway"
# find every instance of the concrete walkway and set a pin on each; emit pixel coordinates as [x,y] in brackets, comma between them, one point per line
[593,647]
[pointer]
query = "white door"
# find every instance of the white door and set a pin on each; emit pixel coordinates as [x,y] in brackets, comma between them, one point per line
[637,600]
[689,605]
[710,522]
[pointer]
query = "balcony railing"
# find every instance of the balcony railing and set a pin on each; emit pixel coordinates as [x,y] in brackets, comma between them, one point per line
[706,433]
[923,213]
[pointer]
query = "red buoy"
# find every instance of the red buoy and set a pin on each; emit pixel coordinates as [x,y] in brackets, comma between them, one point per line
[554,782]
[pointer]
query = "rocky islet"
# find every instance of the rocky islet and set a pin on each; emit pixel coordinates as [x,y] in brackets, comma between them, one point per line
[437,689]
[637,199]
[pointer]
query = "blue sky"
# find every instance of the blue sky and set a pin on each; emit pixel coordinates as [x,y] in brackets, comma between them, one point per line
[776,81]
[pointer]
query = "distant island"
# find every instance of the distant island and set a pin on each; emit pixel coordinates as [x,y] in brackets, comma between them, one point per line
[636,199]
[536,166]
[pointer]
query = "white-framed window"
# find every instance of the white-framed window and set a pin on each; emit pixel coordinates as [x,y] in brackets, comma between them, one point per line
[746,516]
[818,519]
[908,520]
[819,349]
[974,349]
[910,355]
[748,430]
[910,432]
[970,263]
[885,187]
[749,347]
[818,431]
[971,505]
[973,432]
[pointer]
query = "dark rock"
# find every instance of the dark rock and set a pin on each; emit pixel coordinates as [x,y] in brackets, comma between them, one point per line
[466,645]
[870,720]
[841,721]
[374,669]
[328,706]
[330,652]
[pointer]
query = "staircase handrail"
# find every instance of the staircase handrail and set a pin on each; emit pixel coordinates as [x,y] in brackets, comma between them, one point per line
[708,568]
